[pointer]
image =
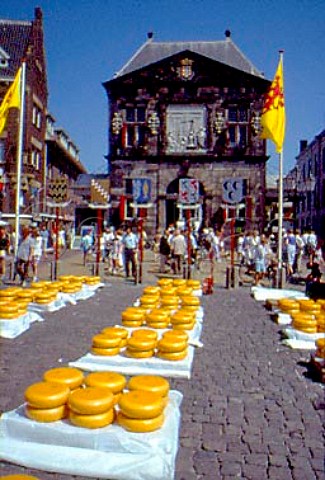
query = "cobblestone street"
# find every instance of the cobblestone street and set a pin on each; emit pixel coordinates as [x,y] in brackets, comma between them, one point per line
[250,410]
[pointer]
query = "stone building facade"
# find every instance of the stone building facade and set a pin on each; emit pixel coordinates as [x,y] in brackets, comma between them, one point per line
[188,110]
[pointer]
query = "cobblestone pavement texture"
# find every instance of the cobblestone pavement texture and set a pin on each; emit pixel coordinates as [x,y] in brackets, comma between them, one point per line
[250,409]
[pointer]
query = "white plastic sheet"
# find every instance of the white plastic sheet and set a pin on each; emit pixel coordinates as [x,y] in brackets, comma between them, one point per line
[263,293]
[109,452]
[137,366]
[14,328]
[292,333]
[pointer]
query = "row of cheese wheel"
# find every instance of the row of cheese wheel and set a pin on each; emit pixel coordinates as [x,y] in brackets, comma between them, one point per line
[159,318]
[14,301]
[18,476]
[307,315]
[320,348]
[98,399]
[142,343]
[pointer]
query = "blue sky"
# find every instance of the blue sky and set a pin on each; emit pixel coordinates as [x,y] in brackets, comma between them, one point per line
[86,41]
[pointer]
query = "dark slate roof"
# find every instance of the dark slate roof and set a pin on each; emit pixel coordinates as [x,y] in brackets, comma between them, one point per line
[14,36]
[223,51]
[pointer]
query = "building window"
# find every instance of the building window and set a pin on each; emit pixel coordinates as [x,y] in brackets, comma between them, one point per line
[238,126]
[135,119]
[37,117]
[2,152]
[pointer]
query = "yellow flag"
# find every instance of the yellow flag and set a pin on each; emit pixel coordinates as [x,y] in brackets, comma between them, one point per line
[273,117]
[11,100]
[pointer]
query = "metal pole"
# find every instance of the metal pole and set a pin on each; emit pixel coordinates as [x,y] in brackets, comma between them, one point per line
[140,243]
[19,156]
[56,242]
[99,229]
[188,215]
[280,221]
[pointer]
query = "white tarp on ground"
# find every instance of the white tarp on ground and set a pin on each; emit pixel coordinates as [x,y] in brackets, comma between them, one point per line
[137,366]
[300,340]
[109,452]
[14,328]
[263,293]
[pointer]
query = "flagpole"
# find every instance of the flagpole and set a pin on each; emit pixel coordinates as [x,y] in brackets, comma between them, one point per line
[280,210]
[19,155]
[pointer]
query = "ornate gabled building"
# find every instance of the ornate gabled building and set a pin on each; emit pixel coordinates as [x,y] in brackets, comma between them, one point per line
[48,152]
[188,110]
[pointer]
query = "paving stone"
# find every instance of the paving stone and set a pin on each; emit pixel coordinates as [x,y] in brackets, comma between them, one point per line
[280,473]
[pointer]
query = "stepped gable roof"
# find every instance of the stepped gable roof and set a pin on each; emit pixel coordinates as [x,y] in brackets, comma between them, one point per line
[223,51]
[14,39]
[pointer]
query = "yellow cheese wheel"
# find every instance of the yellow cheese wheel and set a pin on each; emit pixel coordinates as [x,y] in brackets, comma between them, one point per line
[90,400]
[114,381]
[184,291]
[149,299]
[106,341]
[11,307]
[117,331]
[131,316]
[139,309]
[184,326]
[140,426]
[195,284]
[141,404]
[163,282]
[69,376]
[19,476]
[141,343]
[106,352]
[168,291]
[149,383]
[171,345]
[98,420]
[10,316]
[41,284]
[160,311]
[158,325]
[46,395]
[44,296]
[320,342]
[157,316]
[179,282]
[46,415]
[190,308]
[145,333]
[306,329]
[172,356]
[138,354]
[9,291]
[190,301]
[151,290]
[181,317]
[26,293]
[179,334]
[132,323]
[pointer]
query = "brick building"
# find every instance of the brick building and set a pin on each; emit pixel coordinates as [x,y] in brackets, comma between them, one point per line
[188,110]
[48,152]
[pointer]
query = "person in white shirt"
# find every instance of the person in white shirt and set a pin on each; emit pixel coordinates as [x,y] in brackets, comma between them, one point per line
[24,255]
[178,250]
[37,243]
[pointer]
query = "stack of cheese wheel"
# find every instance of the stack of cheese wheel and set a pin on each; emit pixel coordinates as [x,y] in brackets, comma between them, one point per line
[164,282]
[321,302]
[178,334]
[93,280]
[151,290]
[113,381]
[158,318]
[73,286]
[9,308]
[133,317]
[150,383]
[149,301]
[140,346]
[168,291]
[68,376]
[172,348]
[120,332]
[145,333]
[106,344]
[91,407]
[304,322]
[309,306]
[169,303]
[46,401]
[289,306]
[194,284]
[141,411]
[45,297]
[184,291]
[320,320]
[41,284]
[320,348]
[190,303]
[183,320]
[179,282]
[66,278]
[26,294]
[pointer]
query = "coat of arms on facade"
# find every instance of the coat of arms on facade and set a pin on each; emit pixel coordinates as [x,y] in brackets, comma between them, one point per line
[185,70]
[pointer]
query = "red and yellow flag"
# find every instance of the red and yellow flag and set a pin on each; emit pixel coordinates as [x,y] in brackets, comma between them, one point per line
[273,117]
[11,100]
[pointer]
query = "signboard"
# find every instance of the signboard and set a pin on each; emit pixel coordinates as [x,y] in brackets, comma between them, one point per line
[58,190]
[233,190]
[141,190]
[188,190]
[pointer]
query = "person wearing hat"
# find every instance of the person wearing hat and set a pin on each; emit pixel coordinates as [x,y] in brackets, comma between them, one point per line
[4,250]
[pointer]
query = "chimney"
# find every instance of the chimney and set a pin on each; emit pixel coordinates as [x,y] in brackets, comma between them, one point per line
[150,35]
[228,34]
[303,145]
